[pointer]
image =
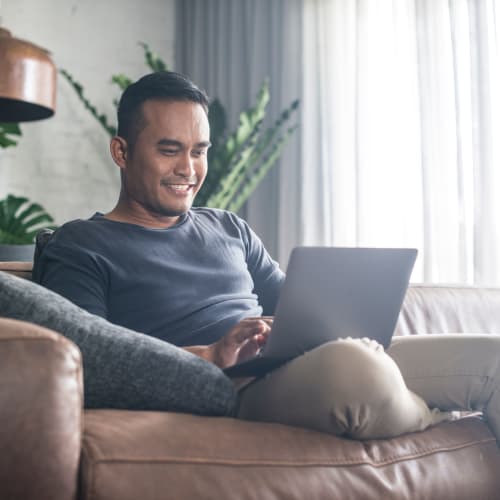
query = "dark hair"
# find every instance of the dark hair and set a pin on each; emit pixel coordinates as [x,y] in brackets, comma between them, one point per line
[166,85]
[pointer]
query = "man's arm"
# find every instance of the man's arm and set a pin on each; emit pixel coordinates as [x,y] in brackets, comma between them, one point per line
[73,273]
[267,276]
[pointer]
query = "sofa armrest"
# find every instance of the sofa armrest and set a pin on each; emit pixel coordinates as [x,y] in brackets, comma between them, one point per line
[21,269]
[41,413]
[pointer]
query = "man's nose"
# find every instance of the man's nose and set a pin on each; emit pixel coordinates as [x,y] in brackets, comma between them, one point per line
[185,166]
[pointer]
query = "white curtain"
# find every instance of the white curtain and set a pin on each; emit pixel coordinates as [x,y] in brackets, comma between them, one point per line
[400,131]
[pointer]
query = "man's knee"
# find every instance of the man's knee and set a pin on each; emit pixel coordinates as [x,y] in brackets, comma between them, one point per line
[355,368]
[340,388]
[367,396]
[358,383]
[347,387]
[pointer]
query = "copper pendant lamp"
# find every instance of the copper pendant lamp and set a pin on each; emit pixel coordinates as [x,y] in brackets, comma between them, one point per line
[27,80]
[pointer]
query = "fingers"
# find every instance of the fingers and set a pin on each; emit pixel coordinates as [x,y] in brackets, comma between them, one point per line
[247,336]
[266,319]
[248,328]
[249,349]
[261,339]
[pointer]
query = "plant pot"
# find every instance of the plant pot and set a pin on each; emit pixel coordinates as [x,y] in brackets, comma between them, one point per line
[23,253]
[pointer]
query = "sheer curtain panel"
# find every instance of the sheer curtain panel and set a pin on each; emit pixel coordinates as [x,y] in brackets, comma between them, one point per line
[400,121]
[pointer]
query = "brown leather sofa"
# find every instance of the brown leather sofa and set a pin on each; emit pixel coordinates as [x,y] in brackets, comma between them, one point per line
[51,449]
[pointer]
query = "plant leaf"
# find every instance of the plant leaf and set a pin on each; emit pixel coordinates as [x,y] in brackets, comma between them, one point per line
[258,155]
[100,117]
[20,220]
[153,61]
[254,180]
[121,80]
[7,130]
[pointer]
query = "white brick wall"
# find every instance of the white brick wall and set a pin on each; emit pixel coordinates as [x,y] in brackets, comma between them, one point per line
[63,162]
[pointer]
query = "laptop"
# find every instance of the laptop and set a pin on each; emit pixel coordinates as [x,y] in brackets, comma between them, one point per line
[331,293]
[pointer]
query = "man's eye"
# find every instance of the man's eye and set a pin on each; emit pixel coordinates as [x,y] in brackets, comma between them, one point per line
[199,152]
[168,152]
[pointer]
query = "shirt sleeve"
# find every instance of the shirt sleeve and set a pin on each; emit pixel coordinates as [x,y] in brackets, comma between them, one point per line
[74,273]
[267,276]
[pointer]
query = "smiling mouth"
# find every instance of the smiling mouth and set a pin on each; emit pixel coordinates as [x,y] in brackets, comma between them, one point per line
[179,188]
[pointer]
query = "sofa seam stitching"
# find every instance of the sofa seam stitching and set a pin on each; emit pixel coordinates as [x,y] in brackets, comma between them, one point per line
[392,459]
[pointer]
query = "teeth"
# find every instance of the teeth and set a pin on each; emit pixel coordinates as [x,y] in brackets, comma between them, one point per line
[179,187]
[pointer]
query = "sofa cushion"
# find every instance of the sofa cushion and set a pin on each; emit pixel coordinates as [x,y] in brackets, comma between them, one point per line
[149,455]
[122,368]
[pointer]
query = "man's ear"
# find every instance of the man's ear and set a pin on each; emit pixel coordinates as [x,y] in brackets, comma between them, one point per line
[119,150]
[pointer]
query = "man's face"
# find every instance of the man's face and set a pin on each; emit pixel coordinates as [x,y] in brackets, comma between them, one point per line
[167,165]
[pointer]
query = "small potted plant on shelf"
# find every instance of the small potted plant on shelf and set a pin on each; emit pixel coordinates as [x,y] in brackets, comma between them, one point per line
[20,219]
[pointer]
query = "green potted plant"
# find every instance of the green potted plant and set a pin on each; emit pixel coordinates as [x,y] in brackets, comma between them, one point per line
[20,219]
[238,161]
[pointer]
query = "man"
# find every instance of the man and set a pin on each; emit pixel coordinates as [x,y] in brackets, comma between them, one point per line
[201,279]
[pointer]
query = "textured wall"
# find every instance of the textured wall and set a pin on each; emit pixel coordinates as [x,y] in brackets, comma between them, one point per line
[63,162]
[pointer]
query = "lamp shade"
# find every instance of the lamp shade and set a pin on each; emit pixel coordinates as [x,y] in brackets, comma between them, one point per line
[27,80]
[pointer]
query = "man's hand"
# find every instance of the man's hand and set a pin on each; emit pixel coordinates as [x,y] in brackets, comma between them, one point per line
[241,342]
